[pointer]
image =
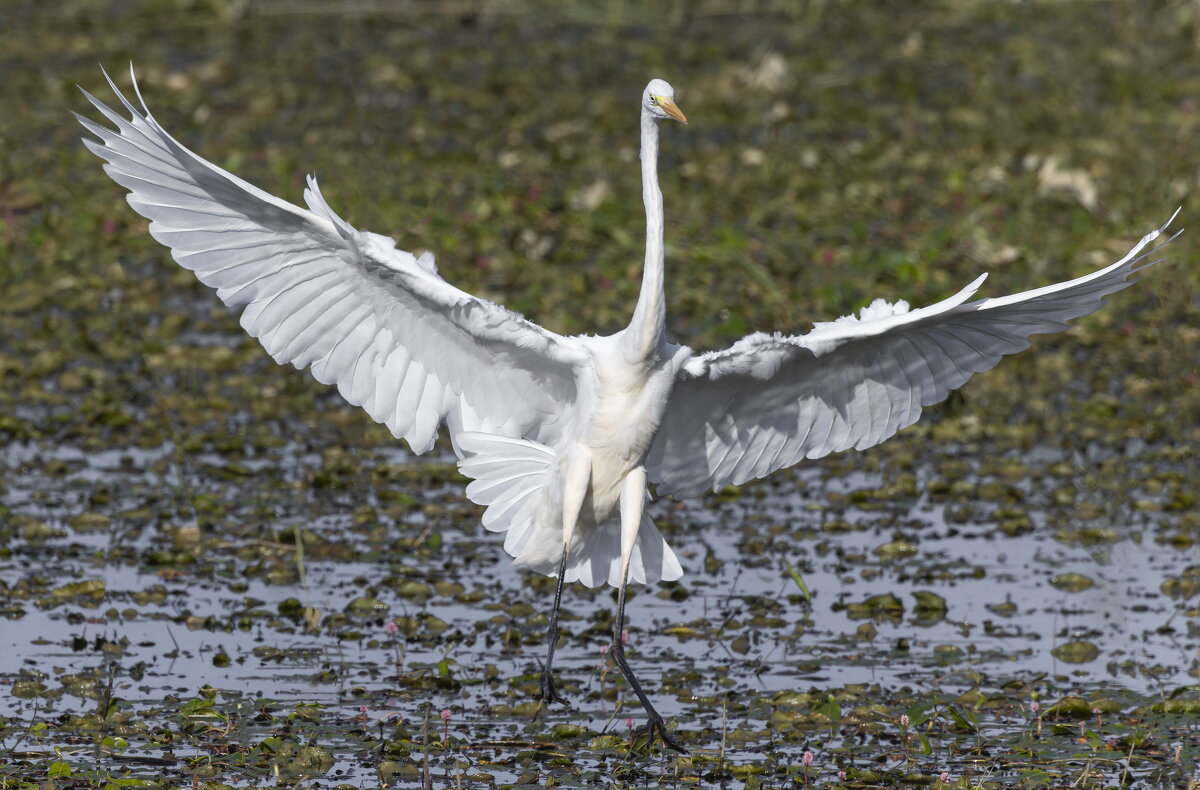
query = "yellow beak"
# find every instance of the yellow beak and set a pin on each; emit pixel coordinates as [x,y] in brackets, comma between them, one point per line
[669,106]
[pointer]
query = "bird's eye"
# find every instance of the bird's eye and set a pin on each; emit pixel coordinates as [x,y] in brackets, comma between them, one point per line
[654,100]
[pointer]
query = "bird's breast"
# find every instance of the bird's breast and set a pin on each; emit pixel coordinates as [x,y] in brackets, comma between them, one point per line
[628,410]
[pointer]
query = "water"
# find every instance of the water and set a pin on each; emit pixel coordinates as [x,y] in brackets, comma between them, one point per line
[713,648]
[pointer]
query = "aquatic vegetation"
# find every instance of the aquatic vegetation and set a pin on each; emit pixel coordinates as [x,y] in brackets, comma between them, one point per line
[157,474]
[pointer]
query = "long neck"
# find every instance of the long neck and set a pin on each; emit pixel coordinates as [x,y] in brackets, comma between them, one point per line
[646,328]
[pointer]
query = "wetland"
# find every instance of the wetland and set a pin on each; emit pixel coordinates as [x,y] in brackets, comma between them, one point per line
[213,572]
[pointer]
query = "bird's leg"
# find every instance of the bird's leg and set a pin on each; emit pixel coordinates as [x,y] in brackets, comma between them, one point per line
[633,499]
[578,477]
[548,692]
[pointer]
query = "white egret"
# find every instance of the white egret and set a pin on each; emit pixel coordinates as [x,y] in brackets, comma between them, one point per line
[562,435]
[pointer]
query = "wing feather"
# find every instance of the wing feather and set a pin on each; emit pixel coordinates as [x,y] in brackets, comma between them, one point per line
[768,402]
[377,322]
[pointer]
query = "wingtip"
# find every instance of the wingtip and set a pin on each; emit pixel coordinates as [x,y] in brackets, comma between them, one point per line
[1166,224]
[974,285]
[133,111]
[108,78]
[136,90]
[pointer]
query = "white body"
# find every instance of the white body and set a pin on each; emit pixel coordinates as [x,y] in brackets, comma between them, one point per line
[562,435]
[613,436]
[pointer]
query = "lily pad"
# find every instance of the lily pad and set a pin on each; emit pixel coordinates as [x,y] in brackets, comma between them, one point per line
[1076,652]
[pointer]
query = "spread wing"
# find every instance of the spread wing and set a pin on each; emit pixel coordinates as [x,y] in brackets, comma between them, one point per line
[769,402]
[376,321]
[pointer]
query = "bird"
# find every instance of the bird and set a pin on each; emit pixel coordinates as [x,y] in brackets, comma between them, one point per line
[563,436]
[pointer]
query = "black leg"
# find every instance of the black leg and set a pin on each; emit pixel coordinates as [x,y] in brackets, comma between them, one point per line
[548,693]
[654,722]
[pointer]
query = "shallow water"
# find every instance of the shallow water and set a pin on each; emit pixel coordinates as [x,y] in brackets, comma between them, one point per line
[715,649]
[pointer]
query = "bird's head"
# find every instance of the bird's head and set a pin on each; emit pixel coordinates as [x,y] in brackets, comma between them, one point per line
[659,100]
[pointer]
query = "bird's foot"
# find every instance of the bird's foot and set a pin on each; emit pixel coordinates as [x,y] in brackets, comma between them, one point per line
[548,693]
[656,726]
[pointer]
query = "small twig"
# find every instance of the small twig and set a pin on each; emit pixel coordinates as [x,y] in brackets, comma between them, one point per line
[37,704]
[1128,759]
[311,619]
[429,526]
[426,778]
[616,712]
[724,727]
[172,637]
[1084,774]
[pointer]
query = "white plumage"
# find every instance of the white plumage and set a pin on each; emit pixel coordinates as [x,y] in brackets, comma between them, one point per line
[562,434]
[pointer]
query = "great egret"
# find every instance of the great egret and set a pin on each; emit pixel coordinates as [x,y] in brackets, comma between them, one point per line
[561,435]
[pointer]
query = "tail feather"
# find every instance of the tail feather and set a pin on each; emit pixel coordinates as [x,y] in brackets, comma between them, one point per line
[503,515]
[478,443]
[598,560]
[489,490]
[509,472]
[520,528]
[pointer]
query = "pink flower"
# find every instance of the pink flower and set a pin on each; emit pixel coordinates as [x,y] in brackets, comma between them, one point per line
[391,628]
[446,714]
[625,636]
[629,723]
[1034,707]
[841,776]
[604,650]
[944,778]
[807,759]
[904,720]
